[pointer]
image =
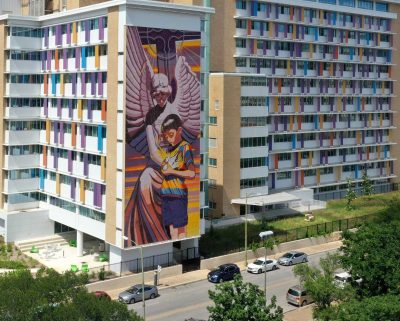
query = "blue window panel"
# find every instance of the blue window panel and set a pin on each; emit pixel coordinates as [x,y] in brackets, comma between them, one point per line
[316,34]
[334,18]
[316,121]
[100,138]
[53,84]
[385,151]
[374,87]
[267,101]
[305,67]
[351,53]
[293,141]
[356,172]
[83,57]
[389,56]
[267,161]
[254,8]
[358,103]
[41,181]
[380,6]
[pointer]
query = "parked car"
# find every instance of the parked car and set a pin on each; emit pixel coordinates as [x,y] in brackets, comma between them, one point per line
[298,296]
[134,293]
[102,295]
[344,278]
[293,257]
[224,272]
[261,265]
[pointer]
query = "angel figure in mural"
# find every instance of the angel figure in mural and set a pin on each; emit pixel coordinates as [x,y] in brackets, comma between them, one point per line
[156,209]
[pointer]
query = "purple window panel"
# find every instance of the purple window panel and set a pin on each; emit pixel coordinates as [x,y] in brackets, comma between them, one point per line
[70,112]
[269,143]
[302,104]
[276,27]
[70,163]
[286,30]
[93,83]
[276,48]
[341,69]
[296,160]
[362,70]
[294,67]
[55,158]
[83,84]
[318,103]
[62,133]
[99,82]
[389,25]
[298,14]
[326,157]
[68,33]
[341,138]
[87,30]
[85,164]
[43,55]
[65,59]
[262,29]
[276,123]
[283,107]
[74,84]
[46,36]
[308,86]
[363,136]
[89,109]
[302,32]
[83,136]
[46,107]
[101,28]
[77,57]
[276,11]
[73,187]
[48,59]
[58,36]
[268,9]
[58,107]
[291,85]
[270,84]
[301,140]
[334,121]
[55,129]
[273,181]
[97,195]
[264,47]
[321,86]
[328,16]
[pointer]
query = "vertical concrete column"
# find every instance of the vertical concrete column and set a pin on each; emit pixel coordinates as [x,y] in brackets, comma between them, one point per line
[79,243]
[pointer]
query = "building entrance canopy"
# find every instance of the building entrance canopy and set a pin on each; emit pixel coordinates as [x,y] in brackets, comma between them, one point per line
[263,200]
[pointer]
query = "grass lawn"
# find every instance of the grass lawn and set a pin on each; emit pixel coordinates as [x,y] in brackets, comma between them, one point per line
[231,239]
[12,258]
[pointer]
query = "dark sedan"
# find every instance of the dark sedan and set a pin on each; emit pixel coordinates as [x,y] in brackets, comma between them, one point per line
[224,272]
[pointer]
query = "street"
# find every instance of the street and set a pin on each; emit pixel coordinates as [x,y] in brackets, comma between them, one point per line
[191,300]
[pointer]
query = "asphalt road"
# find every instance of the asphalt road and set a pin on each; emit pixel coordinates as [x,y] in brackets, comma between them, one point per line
[191,300]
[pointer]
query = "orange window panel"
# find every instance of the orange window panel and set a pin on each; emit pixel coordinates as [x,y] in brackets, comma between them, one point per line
[321,121]
[62,85]
[370,120]
[339,104]
[73,134]
[298,159]
[79,107]
[45,156]
[291,122]
[318,176]
[358,137]
[310,158]
[82,191]
[57,61]
[299,122]
[296,104]
[58,183]
[74,33]
[276,162]
[248,27]
[48,127]
[302,178]
[276,104]
[103,110]
[311,50]
[45,84]
[279,85]
[338,173]
[331,70]
[97,57]
[291,12]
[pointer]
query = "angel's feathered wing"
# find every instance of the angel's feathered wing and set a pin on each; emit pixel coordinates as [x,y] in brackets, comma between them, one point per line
[138,97]
[187,100]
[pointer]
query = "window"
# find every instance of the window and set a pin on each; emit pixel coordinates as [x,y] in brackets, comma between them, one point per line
[241,62]
[365,4]
[241,4]
[216,104]
[253,101]
[284,157]
[253,182]
[212,162]
[310,172]
[253,81]
[283,175]
[328,1]
[212,205]
[380,6]
[240,43]
[253,121]
[253,142]
[252,162]
[241,24]
[347,3]
[212,183]
[212,142]
[212,120]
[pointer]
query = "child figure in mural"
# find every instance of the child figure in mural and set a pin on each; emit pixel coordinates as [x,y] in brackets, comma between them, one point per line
[176,166]
[162,131]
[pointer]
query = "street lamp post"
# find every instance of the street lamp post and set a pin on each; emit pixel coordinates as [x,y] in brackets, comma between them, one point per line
[142,266]
[264,235]
[245,232]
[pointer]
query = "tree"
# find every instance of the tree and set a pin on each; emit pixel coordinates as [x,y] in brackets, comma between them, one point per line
[373,254]
[366,184]
[384,307]
[55,297]
[240,301]
[351,194]
[319,283]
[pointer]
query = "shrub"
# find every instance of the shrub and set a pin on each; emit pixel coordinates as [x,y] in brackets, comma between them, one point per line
[12,265]
[102,274]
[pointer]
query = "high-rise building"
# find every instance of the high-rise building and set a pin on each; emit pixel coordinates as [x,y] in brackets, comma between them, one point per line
[79,91]
[301,95]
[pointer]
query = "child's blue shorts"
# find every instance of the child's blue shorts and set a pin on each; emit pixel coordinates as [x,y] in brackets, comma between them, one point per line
[174,211]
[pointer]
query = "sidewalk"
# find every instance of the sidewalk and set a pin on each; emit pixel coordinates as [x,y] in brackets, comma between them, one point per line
[200,275]
[300,314]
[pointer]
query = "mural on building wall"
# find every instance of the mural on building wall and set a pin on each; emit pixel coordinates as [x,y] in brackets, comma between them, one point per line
[162,153]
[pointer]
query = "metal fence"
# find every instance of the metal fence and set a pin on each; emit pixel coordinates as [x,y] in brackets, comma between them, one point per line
[149,263]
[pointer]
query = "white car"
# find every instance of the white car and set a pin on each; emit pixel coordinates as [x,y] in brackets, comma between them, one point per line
[344,278]
[260,265]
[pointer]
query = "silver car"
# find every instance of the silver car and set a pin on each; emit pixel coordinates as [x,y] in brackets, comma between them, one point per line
[293,257]
[298,296]
[134,293]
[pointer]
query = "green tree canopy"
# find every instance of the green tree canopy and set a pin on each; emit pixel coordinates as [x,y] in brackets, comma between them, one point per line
[241,301]
[55,297]
[373,253]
